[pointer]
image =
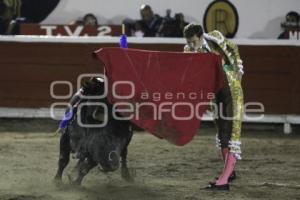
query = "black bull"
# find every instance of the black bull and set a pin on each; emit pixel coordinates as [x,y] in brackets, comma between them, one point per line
[94,146]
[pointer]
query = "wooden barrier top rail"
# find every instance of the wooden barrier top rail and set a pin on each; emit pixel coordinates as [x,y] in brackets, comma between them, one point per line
[136,40]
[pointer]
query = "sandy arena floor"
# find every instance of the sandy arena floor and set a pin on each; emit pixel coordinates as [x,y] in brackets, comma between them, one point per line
[270,168]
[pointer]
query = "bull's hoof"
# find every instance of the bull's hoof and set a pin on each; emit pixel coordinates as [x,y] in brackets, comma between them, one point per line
[57,181]
[74,182]
[127,176]
[57,178]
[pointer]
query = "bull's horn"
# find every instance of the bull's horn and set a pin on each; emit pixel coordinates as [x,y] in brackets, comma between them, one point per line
[98,115]
[111,154]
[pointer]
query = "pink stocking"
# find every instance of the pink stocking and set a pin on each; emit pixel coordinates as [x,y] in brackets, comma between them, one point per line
[228,169]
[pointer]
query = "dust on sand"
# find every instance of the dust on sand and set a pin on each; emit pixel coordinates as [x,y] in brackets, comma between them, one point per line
[270,169]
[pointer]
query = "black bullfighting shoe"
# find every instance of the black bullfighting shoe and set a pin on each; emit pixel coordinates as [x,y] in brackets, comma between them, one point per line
[213,186]
[232,177]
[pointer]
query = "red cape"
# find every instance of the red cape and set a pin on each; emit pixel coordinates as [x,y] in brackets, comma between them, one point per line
[177,82]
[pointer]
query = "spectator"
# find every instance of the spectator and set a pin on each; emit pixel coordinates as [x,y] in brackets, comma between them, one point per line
[152,25]
[9,10]
[291,26]
[14,12]
[90,20]
[150,22]
[172,27]
[179,17]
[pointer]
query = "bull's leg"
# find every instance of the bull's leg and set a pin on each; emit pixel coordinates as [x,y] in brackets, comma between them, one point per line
[64,155]
[124,169]
[83,167]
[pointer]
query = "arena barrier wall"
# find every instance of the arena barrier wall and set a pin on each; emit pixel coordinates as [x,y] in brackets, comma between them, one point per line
[29,64]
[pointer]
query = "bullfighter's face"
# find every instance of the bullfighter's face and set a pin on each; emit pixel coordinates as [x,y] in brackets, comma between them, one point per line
[195,42]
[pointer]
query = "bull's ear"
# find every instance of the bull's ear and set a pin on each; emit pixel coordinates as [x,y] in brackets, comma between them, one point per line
[99,114]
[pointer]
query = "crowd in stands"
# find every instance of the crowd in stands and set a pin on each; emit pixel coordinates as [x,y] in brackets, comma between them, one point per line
[15,12]
[150,24]
[153,25]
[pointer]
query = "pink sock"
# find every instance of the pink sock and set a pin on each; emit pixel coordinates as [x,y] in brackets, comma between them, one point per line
[228,169]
